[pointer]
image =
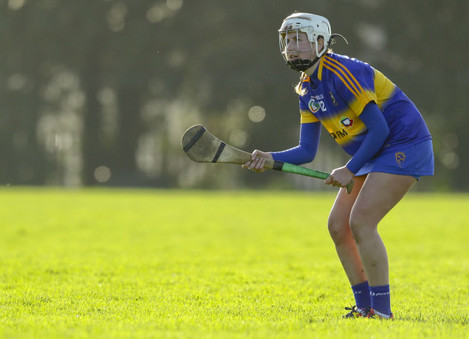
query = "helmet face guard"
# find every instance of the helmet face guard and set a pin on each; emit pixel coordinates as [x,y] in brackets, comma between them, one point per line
[296,64]
[314,26]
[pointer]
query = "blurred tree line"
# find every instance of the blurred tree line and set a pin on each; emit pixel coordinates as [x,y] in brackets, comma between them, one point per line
[99,92]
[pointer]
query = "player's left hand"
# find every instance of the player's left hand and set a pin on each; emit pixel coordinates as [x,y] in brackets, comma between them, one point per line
[340,177]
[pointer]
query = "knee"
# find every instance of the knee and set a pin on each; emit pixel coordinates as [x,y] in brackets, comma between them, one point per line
[338,228]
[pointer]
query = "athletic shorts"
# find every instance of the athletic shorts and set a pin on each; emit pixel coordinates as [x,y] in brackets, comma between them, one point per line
[415,160]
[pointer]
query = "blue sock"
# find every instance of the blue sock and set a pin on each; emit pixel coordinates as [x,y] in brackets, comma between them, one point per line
[380,299]
[361,293]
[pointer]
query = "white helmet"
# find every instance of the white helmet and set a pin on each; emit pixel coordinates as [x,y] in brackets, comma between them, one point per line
[314,26]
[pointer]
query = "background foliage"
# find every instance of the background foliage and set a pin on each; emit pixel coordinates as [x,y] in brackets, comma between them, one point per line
[98,92]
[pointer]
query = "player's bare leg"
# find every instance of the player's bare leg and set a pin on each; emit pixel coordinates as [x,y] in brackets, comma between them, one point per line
[342,236]
[379,194]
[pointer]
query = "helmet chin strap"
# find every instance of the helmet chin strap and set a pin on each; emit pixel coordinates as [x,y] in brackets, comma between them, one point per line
[301,65]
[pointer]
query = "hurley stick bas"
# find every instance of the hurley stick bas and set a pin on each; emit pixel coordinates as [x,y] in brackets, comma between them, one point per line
[202,146]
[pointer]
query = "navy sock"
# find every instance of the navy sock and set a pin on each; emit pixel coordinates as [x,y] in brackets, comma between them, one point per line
[361,293]
[380,299]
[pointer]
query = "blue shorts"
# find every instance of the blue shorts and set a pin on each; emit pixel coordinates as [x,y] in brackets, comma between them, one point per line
[415,160]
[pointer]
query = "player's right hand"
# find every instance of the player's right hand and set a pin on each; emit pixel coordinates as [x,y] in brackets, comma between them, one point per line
[257,162]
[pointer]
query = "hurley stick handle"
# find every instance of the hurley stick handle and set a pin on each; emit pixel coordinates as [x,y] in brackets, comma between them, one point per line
[295,169]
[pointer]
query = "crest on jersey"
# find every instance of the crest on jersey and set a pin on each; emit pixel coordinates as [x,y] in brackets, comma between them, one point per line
[346,122]
[400,158]
[314,105]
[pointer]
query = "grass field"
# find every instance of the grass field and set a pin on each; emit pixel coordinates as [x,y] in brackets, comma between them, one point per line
[178,264]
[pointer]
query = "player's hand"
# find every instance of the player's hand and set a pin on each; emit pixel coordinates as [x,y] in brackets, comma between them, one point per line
[257,162]
[340,177]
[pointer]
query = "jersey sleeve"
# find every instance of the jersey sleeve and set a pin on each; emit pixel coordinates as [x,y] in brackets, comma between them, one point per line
[378,131]
[306,150]
[353,81]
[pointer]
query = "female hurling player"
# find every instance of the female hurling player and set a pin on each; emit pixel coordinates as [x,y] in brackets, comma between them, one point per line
[378,126]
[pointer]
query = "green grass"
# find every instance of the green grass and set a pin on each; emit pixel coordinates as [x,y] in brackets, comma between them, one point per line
[174,264]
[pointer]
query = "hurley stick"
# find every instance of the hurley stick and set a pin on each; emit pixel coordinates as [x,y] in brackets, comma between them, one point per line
[202,146]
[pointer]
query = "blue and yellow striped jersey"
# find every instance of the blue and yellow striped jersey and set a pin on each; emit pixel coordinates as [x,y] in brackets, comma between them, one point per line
[338,91]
